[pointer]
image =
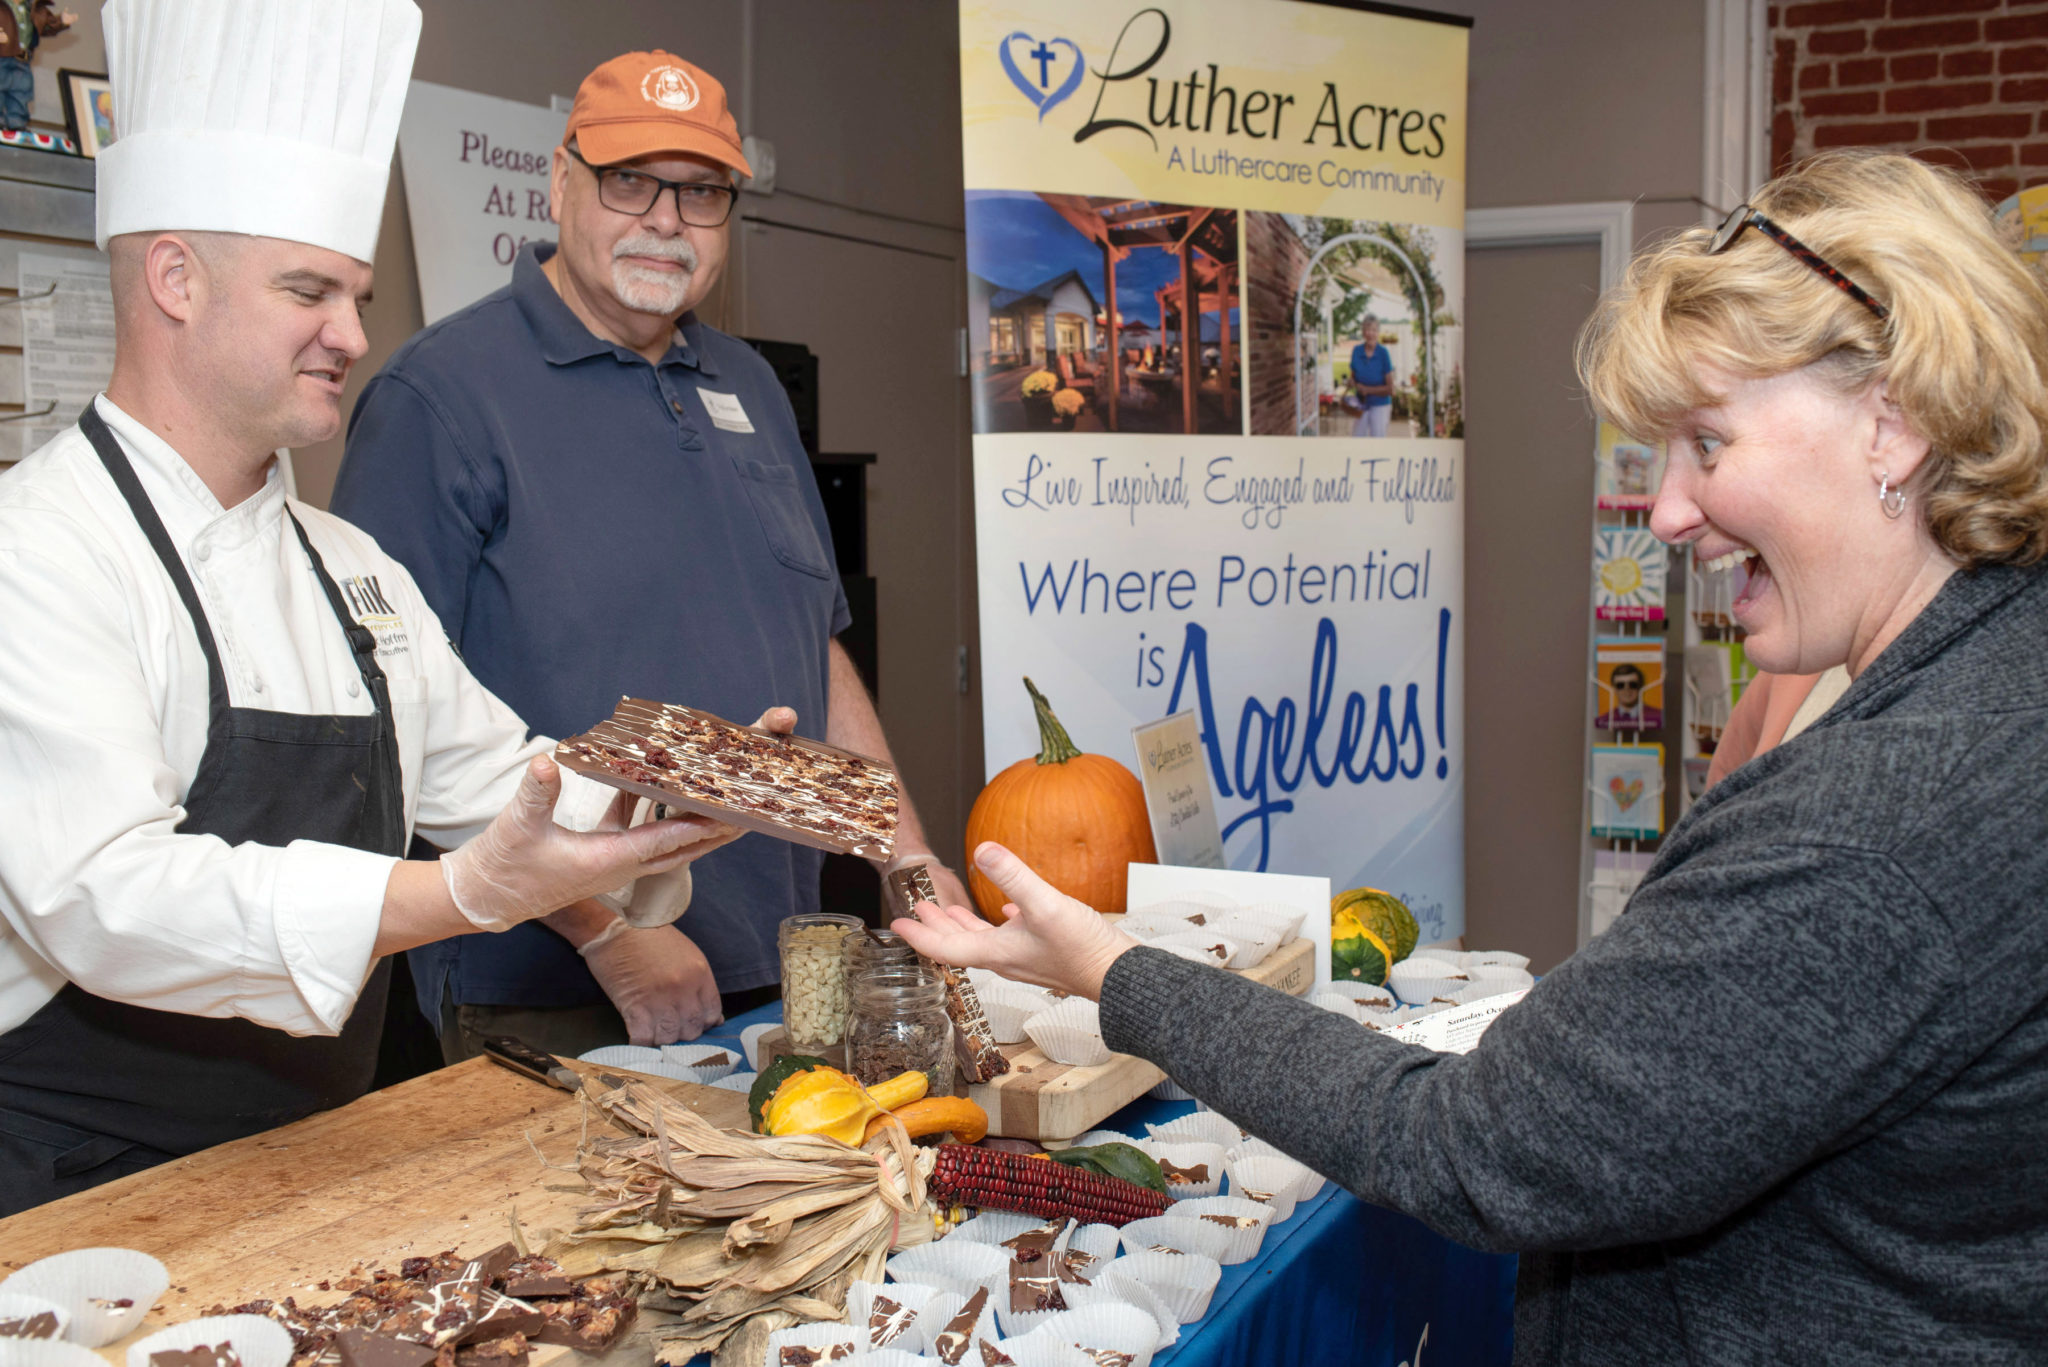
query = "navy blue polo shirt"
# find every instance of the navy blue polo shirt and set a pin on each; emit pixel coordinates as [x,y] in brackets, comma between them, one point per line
[587,526]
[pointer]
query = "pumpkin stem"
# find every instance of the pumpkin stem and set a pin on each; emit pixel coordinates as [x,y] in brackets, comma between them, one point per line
[1055,746]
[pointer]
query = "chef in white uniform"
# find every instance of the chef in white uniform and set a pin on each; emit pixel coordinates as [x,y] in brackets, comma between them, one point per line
[223,712]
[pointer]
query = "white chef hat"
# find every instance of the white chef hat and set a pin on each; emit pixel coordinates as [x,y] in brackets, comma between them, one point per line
[269,117]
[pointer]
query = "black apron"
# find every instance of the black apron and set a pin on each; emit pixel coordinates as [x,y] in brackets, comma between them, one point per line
[92,1089]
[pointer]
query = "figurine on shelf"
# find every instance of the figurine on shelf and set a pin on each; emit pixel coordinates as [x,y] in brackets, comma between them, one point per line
[23,26]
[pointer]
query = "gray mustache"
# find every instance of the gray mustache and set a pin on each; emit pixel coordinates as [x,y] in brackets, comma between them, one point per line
[674,249]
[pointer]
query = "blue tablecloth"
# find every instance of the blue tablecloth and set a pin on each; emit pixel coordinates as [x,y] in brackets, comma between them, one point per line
[1341,1281]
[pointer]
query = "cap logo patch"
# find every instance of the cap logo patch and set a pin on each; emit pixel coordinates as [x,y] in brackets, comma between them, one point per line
[670,87]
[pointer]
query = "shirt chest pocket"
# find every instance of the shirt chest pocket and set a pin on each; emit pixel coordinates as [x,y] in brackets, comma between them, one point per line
[777,494]
[409,723]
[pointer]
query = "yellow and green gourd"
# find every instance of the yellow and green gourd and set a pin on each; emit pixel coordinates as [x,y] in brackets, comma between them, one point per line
[1370,932]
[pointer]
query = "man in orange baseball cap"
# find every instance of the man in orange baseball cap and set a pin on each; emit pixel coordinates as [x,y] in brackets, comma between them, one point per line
[596,490]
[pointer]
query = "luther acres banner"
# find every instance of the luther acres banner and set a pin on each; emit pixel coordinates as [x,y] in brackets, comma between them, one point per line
[1216,323]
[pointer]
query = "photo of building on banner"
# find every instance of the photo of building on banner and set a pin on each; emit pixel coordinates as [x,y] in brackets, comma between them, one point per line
[1197,234]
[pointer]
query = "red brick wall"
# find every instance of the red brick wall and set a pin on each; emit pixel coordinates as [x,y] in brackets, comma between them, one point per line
[1961,82]
[1275,258]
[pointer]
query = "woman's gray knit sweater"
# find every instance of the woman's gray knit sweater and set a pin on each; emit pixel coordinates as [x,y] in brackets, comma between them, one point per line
[1793,1106]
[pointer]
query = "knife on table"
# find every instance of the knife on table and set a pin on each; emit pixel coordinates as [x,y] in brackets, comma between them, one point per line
[511,1052]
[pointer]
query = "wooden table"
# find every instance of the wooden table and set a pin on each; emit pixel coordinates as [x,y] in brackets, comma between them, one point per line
[443,1161]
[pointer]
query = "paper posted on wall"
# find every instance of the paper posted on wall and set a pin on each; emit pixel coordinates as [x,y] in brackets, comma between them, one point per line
[67,343]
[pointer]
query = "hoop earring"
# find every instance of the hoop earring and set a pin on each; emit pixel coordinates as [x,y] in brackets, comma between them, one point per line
[1893,501]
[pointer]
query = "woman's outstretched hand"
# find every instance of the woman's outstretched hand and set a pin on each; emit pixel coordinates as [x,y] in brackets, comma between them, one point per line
[1050,939]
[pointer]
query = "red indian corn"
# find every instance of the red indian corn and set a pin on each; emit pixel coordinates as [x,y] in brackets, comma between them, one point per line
[992,1180]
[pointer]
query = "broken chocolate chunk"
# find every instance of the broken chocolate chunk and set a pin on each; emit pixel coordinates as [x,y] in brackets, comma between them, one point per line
[537,1276]
[1234,1221]
[1029,1294]
[951,1342]
[219,1355]
[40,1325]
[507,1350]
[992,1356]
[362,1348]
[1109,1357]
[591,1322]
[1072,1263]
[1194,1174]
[1035,1243]
[888,1321]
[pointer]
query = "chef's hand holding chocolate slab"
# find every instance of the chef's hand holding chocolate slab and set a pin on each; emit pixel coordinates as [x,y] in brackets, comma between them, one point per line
[1051,939]
[523,865]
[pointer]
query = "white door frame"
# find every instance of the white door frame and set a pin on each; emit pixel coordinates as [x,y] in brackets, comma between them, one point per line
[1737,154]
[1609,225]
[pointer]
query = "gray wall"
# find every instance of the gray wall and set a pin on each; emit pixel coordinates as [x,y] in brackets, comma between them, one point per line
[1585,101]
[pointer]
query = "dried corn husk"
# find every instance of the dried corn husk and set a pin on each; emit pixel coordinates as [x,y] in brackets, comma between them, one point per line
[739,1234]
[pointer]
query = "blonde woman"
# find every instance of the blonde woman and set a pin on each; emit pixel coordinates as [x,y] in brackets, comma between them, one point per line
[1794,1105]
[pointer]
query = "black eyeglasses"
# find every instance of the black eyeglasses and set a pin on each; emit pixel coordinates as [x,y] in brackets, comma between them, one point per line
[699,203]
[1745,217]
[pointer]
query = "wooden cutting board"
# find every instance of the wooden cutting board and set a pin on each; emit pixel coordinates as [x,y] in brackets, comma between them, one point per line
[442,1161]
[1053,1102]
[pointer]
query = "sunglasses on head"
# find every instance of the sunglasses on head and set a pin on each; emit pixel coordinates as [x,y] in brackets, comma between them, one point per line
[1746,217]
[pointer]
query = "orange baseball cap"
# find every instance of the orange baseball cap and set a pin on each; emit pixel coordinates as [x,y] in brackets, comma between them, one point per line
[648,102]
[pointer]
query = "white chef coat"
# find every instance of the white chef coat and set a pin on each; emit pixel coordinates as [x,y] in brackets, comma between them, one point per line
[103,718]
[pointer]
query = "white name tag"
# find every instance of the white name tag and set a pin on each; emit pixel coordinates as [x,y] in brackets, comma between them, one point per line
[725,410]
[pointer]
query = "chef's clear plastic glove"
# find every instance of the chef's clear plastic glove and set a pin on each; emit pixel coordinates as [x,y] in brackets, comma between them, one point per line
[524,865]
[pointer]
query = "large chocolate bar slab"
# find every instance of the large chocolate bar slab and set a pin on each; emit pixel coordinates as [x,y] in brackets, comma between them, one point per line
[786,786]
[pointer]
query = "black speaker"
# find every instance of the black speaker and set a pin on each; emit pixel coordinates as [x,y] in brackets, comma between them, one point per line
[797,368]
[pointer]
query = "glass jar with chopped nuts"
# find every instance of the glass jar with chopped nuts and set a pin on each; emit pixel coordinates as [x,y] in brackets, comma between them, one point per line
[899,1024]
[813,982]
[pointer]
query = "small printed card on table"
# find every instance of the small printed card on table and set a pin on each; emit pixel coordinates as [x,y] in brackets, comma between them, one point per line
[1178,796]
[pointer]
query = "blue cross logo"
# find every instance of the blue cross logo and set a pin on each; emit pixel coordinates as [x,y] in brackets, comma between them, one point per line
[1044,93]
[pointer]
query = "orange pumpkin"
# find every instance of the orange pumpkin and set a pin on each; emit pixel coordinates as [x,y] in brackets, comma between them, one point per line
[1079,820]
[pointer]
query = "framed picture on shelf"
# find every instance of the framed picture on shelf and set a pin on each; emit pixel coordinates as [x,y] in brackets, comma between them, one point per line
[88,109]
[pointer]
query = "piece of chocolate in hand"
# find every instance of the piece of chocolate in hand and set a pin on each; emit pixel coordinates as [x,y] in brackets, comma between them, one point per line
[787,786]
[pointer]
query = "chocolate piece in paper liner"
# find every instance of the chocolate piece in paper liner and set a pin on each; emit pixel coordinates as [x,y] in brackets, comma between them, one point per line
[974,1040]
[786,786]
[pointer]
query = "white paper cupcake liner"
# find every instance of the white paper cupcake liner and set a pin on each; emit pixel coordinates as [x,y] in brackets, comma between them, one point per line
[1034,1352]
[956,1265]
[1150,925]
[1496,958]
[1166,1324]
[750,1043]
[912,1296]
[1070,1033]
[941,1310]
[1288,920]
[88,1282]
[1500,977]
[1181,1233]
[1415,982]
[1454,957]
[1334,1004]
[1362,994]
[638,1057]
[1182,1281]
[257,1340]
[893,1356]
[994,1226]
[736,1082]
[1008,1007]
[1204,1127]
[1256,939]
[821,1338]
[1244,1243]
[1017,1324]
[1101,1242]
[1188,952]
[1215,949]
[1186,1154]
[1094,1137]
[705,1063]
[1282,1179]
[1169,1090]
[1113,1325]
[48,1353]
[17,1307]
